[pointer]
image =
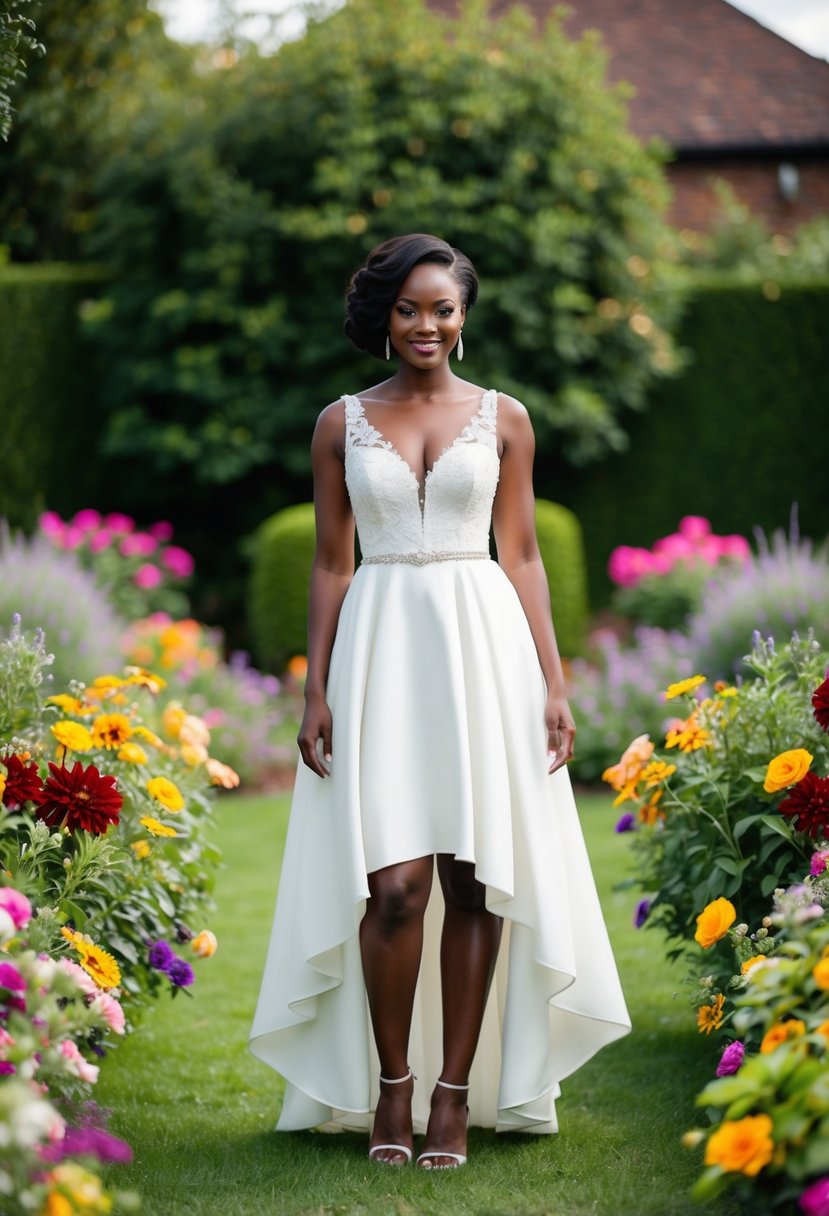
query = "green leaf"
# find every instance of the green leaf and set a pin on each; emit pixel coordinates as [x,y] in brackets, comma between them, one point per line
[777,825]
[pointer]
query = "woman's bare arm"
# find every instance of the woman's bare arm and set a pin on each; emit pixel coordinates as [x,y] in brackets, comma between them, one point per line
[331,574]
[518,555]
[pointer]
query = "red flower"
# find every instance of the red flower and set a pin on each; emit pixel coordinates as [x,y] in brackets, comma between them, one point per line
[809,801]
[22,781]
[80,798]
[820,702]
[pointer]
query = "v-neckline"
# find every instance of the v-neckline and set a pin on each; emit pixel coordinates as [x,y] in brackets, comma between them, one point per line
[389,446]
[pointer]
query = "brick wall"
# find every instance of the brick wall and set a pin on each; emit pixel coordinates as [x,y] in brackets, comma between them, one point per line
[755,183]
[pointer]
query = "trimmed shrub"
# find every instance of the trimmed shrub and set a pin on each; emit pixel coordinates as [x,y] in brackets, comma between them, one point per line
[562,551]
[278,595]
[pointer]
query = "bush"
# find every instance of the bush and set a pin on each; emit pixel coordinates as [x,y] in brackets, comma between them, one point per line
[562,551]
[278,595]
[51,590]
[784,588]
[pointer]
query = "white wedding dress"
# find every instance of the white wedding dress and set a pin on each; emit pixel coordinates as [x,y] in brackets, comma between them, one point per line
[439,746]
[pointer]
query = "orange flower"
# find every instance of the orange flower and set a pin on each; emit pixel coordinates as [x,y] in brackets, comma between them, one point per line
[145,679]
[714,921]
[752,962]
[204,944]
[823,1029]
[222,774]
[787,769]
[688,736]
[298,666]
[650,813]
[111,730]
[630,766]
[710,1017]
[781,1032]
[742,1146]
[820,974]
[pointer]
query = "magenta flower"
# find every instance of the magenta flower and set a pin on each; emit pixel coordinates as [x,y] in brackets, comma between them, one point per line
[731,1059]
[87,519]
[118,522]
[16,905]
[11,978]
[138,544]
[815,1199]
[50,524]
[147,576]
[88,1142]
[178,561]
[818,863]
[71,537]
[162,531]
[102,539]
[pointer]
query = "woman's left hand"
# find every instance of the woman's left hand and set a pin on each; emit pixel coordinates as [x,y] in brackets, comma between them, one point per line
[561,731]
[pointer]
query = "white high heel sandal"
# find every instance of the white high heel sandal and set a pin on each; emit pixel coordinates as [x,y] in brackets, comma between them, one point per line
[429,1153]
[396,1148]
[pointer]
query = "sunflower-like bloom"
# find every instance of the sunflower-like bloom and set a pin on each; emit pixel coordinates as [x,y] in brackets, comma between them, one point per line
[78,798]
[72,735]
[99,964]
[683,686]
[710,1017]
[111,730]
[166,792]
[688,736]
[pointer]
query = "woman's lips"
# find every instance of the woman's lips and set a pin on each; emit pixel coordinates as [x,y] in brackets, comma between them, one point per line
[426,348]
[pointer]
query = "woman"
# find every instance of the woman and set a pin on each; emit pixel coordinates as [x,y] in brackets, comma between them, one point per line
[434,738]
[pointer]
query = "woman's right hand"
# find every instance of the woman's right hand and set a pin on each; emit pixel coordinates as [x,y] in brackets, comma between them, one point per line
[316,725]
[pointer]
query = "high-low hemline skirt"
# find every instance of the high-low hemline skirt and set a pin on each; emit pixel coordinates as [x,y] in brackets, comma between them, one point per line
[439,746]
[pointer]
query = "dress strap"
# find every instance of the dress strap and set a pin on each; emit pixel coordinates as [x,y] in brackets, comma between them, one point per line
[358,430]
[487,415]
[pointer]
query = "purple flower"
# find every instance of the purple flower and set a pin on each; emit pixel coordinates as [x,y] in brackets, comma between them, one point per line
[180,973]
[815,1199]
[161,956]
[731,1059]
[88,1142]
[626,822]
[6,1068]
[641,913]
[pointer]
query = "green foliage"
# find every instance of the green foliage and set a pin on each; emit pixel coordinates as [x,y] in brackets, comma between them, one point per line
[233,227]
[278,593]
[562,551]
[741,415]
[82,99]
[47,398]
[16,41]
[716,832]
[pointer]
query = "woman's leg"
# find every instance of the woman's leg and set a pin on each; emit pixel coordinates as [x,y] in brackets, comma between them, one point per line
[391,941]
[469,949]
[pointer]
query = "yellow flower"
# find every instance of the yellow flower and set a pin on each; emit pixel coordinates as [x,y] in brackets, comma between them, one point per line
[787,769]
[111,730]
[222,774]
[69,705]
[204,944]
[193,754]
[58,1205]
[145,679]
[73,936]
[85,1190]
[99,964]
[688,736]
[156,827]
[741,1146]
[104,683]
[141,732]
[2,784]
[172,718]
[714,922]
[781,1032]
[820,974]
[752,962]
[133,753]
[725,690]
[141,848]
[710,1017]
[72,735]
[683,686]
[165,792]
[634,758]
[656,772]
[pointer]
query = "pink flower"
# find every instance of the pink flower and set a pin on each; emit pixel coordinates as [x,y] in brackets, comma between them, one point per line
[695,527]
[118,523]
[138,544]
[102,539]
[51,524]
[147,576]
[736,547]
[111,1010]
[16,905]
[11,978]
[85,982]
[77,1063]
[70,538]
[675,547]
[6,1041]
[815,1199]
[178,561]
[87,519]
[162,531]
[819,862]
[731,1060]
[627,565]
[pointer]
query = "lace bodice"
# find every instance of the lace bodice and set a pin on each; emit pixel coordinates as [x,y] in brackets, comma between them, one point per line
[452,510]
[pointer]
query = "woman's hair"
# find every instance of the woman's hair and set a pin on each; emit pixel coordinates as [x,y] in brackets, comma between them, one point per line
[375,286]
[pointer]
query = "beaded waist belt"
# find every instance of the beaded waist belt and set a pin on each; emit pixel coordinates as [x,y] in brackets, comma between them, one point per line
[424,558]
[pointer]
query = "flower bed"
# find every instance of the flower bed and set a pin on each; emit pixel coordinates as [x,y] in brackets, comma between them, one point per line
[107,870]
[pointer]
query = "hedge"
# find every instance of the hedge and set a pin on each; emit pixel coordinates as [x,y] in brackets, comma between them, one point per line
[48,399]
[562,552]
[739,437]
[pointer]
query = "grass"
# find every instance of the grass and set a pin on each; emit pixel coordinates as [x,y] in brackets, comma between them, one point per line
[199,1110]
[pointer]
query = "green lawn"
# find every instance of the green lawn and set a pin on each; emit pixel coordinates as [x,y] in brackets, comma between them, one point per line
[199,1110]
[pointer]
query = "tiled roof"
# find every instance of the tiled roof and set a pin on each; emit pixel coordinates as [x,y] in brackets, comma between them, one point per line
[707,76]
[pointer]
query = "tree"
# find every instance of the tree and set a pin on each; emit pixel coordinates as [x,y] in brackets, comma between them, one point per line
[16,41]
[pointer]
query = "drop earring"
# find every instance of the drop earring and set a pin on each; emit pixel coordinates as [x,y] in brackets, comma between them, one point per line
[388,348]
[460,346]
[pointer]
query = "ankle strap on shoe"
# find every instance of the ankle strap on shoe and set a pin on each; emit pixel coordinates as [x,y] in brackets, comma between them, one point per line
[448,1085]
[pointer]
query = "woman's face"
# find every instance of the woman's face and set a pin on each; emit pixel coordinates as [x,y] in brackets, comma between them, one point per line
[427,317]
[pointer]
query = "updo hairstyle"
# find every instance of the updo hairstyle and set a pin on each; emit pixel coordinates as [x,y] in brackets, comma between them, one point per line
[376,285]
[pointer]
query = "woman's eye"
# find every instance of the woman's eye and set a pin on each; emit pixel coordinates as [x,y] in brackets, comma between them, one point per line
[445,312]
[406,312]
